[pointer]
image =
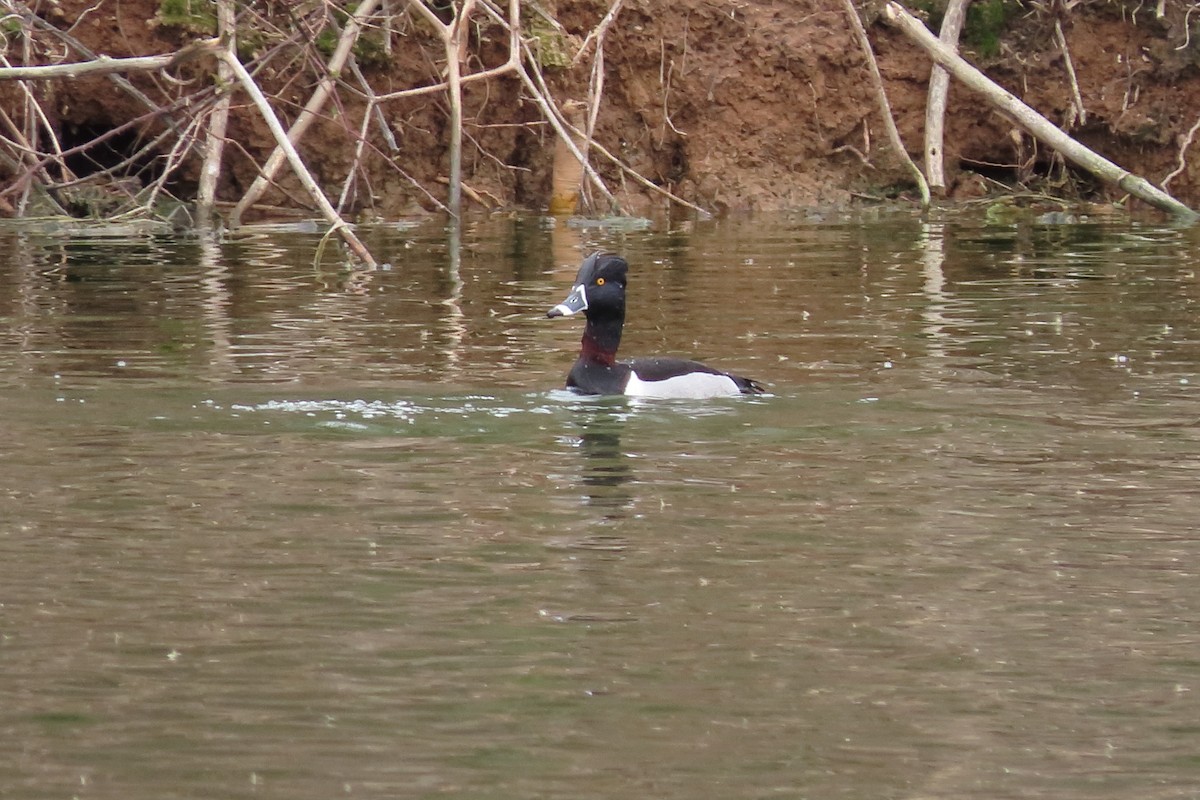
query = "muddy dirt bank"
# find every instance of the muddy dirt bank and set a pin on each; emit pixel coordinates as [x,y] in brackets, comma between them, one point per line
[730,105]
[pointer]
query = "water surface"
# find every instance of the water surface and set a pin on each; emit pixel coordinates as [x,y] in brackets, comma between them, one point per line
[273,529]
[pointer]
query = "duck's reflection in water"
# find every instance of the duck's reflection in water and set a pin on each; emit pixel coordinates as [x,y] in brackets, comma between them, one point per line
[605,469]
[605,478]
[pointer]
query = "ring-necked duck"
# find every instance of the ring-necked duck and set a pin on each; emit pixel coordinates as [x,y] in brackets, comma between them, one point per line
[599,292]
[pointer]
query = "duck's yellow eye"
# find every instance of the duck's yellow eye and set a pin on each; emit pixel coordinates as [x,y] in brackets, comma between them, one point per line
[599,281]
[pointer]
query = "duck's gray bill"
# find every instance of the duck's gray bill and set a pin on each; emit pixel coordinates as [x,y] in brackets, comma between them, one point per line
[576,301]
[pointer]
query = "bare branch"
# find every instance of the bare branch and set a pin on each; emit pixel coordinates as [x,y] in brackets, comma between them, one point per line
[1076,96]
[103,65]
[1033,122]
[218,124]
[885,108]
[935,107]
[337,224]
[597,33]
[311,109]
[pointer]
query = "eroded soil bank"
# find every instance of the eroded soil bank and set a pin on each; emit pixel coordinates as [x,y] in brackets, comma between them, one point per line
[730,105]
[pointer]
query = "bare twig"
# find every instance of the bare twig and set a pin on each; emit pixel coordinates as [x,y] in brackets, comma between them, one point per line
[596,81]
[885,108]
[24,182]
[338,224]
[69,179]
[1079,111]
[25,145]
[475,195]
[646,183]
[567,133]
[182,145]
[433,88]
[664,80]
[1183,148]
[597,33]
[554,117]
[542,96]
[1187,26]
[374,110]
[311,109]
[103,65]
[359,146]
[36,120]
[454,41]
[849,148]
[35,22]
[130,159]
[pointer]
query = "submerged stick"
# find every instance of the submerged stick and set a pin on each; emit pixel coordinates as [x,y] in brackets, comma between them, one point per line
[1033,122]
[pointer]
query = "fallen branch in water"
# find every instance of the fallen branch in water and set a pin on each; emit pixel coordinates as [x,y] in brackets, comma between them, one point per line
[1033,122]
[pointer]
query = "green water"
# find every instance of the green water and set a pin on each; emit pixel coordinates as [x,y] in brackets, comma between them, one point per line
[268,530]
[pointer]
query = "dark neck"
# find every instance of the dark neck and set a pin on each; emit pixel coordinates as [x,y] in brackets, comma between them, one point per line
[601,337]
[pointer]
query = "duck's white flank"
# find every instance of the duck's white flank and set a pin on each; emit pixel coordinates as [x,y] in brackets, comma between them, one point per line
[692,386]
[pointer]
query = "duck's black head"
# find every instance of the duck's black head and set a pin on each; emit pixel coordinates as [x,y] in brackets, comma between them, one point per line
[599,289]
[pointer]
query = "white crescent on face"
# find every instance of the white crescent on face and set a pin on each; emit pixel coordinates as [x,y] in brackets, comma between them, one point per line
[566,308]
